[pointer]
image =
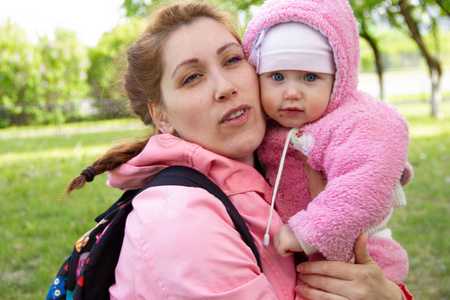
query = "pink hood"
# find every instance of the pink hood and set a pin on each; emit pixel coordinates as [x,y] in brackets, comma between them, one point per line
[164,150]
[336,27]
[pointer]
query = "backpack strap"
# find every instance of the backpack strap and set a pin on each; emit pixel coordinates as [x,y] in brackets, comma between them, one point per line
[185,176]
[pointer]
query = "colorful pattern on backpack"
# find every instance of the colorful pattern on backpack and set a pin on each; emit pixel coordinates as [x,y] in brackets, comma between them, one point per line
[69,282]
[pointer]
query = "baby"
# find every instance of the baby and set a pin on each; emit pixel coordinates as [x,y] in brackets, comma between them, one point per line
[306,53]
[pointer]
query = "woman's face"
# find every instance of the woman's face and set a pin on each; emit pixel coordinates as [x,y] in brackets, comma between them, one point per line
[210,92]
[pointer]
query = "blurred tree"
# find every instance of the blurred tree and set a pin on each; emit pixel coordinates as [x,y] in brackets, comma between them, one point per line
[65,62]
[139,8]
[414,18]
[134,10]
[21,93]
[108,59]
[445,6]
[363,10]
[240,8]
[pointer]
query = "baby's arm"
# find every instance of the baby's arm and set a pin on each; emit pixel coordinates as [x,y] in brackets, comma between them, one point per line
[285,240]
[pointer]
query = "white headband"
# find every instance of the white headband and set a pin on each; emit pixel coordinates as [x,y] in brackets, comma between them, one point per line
[292,46]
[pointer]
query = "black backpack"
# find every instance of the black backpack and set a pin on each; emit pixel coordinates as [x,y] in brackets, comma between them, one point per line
[95,255]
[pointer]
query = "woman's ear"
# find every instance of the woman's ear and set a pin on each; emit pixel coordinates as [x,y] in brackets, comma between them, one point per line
[161,119]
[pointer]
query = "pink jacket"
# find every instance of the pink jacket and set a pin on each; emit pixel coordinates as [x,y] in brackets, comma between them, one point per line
[180,243]
[360,144]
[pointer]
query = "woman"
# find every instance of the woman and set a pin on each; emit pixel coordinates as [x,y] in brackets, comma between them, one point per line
[188,78]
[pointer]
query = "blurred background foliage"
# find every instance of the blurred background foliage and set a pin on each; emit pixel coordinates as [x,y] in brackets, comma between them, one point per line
[62,80]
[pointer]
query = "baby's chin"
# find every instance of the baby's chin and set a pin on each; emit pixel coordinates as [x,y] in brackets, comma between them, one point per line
[289,123]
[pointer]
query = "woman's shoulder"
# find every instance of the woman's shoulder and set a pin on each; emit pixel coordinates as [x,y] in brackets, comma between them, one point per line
[175,203]
[188,230]
[174,218]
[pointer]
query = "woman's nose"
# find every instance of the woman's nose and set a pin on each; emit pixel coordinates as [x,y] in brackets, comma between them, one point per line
[224,88]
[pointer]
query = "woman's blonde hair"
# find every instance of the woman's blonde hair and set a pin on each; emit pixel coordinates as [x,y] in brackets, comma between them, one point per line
[143,75]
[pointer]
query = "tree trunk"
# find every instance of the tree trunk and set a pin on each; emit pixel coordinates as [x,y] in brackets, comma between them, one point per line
[378,60]
[436,95]
[434,66]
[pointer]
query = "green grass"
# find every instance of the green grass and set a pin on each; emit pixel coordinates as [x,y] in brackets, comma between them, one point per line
[38,229]
[422,227]
[422,97]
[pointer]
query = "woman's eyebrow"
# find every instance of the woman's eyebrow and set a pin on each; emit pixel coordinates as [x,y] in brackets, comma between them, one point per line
[226,46]
[196,60]
[185,62]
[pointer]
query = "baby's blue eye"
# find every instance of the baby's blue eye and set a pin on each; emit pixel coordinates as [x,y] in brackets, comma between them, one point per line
[310,77]
[277,77]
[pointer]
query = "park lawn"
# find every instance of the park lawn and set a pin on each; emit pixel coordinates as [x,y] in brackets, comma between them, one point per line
[422,227]
[38,229]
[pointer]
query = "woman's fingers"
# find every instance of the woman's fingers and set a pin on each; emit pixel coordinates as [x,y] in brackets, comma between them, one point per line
[313,294]
[322,287]
[340,270]
[362,256]
[334,269]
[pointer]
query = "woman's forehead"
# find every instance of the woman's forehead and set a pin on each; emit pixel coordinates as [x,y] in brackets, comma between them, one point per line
[196,41]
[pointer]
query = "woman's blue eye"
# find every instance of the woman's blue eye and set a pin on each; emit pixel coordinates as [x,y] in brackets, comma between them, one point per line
[310,77]
[277,77]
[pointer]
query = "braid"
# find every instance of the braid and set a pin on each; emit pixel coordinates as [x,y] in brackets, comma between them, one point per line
[112,159]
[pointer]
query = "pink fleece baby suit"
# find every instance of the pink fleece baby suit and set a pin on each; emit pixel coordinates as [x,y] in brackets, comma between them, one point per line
[360,145]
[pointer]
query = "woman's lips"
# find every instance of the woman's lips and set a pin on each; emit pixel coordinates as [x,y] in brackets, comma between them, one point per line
[236,116]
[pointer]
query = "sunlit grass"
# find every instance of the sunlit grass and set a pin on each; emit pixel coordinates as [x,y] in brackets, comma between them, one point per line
[422,97]
[422,226]
[421,124]
[23,157]
[70,128]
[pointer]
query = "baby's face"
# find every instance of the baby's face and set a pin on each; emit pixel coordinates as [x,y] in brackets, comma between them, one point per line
[294,98]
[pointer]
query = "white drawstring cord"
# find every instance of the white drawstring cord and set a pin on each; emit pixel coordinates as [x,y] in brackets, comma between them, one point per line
[274,192]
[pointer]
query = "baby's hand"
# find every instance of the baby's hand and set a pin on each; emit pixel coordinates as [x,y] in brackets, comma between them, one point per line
[285,242]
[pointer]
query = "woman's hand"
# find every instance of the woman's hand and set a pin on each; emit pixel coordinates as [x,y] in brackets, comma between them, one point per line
[339,280]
